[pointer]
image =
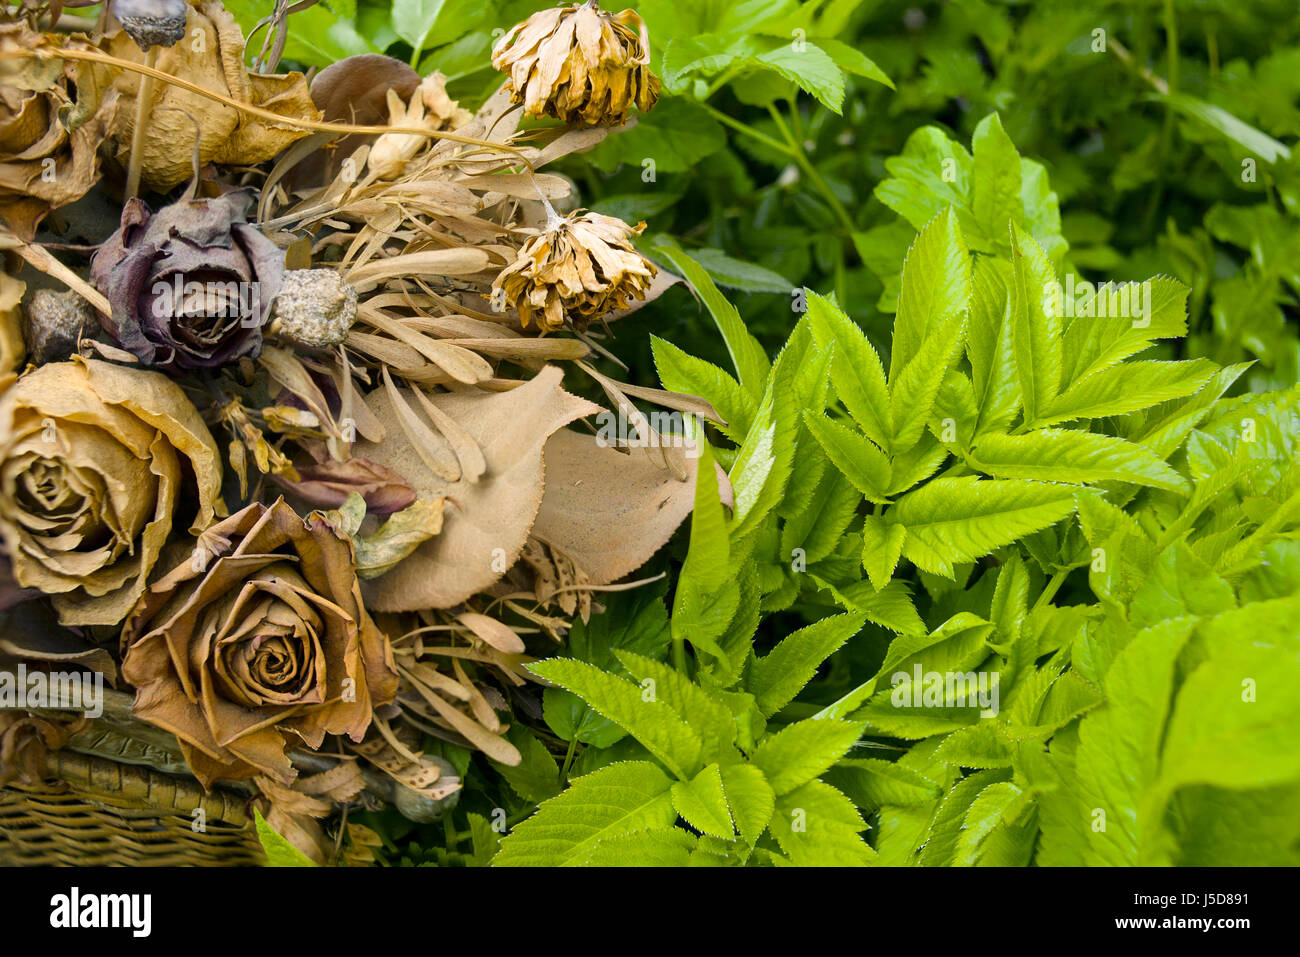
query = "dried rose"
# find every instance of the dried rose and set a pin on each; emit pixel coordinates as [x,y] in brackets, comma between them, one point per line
[45,161]
[210,56]
[255,643]
[12,348]
[579,65]
[94,460]
[582,267]
[192,285]
[27,739]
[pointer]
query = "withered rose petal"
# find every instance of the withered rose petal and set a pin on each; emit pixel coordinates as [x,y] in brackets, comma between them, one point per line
[328,484]
[259,646]
[95,460]
[190,286]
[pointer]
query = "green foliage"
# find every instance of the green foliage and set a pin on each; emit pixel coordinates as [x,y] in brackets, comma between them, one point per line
[279,852]
[962,455]
[1012,448]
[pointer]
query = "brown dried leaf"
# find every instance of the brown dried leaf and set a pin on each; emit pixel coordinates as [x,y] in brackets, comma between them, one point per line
[485,532]
[609,511]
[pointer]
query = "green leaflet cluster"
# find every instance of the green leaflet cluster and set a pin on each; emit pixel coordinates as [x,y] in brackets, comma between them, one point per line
[1016,490]
[746,791]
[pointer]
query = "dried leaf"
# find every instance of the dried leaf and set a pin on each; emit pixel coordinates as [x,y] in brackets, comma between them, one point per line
[487,527]
[609,511]
[397,538]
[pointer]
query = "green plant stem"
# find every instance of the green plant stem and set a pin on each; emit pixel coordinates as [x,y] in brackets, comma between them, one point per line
[748,130]
[723,79]
[568,761]
[796,152]
[1052,587]
[679,653]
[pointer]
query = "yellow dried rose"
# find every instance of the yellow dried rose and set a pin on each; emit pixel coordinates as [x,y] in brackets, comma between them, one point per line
[255,642]
[580,267]
[94,460]
[210,55]
[48,151]
[579,65]
[12,348]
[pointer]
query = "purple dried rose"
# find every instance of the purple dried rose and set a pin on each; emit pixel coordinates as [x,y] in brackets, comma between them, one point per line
[191,285]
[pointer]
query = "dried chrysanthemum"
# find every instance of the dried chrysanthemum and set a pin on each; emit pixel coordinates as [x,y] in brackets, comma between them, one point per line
[49,137]
[579,64]
[582,267]
[430,108]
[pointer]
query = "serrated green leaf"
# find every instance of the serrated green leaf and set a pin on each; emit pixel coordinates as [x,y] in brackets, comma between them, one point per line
[882,546]
[703,803]
[750,798]
[817,826]
[746,354]
[819,528]
[618,799]
[958,520]
[994,379]
[996,201]
[1067,455]
[1126,388]
[856,371]
[682,372]
[776,678]
[1035,328]
[653,723]
[801,751]
[856,456]
[708,716]
[935,293]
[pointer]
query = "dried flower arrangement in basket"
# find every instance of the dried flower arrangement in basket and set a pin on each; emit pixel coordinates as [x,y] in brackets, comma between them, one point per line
[287,457]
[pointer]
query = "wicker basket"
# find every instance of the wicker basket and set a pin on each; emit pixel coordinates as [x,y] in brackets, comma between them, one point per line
[119,794]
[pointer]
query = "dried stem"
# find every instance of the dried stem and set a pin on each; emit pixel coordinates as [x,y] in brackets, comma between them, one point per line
[39,258]
[143,101]
[321,126]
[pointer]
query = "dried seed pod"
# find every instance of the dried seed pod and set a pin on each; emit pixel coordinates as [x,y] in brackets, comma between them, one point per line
[54,322]
[152,22]
[579,65]
[315,307]
[580,267]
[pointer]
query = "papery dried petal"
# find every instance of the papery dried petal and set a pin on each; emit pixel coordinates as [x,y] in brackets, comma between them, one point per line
[578,269]
[579,65]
